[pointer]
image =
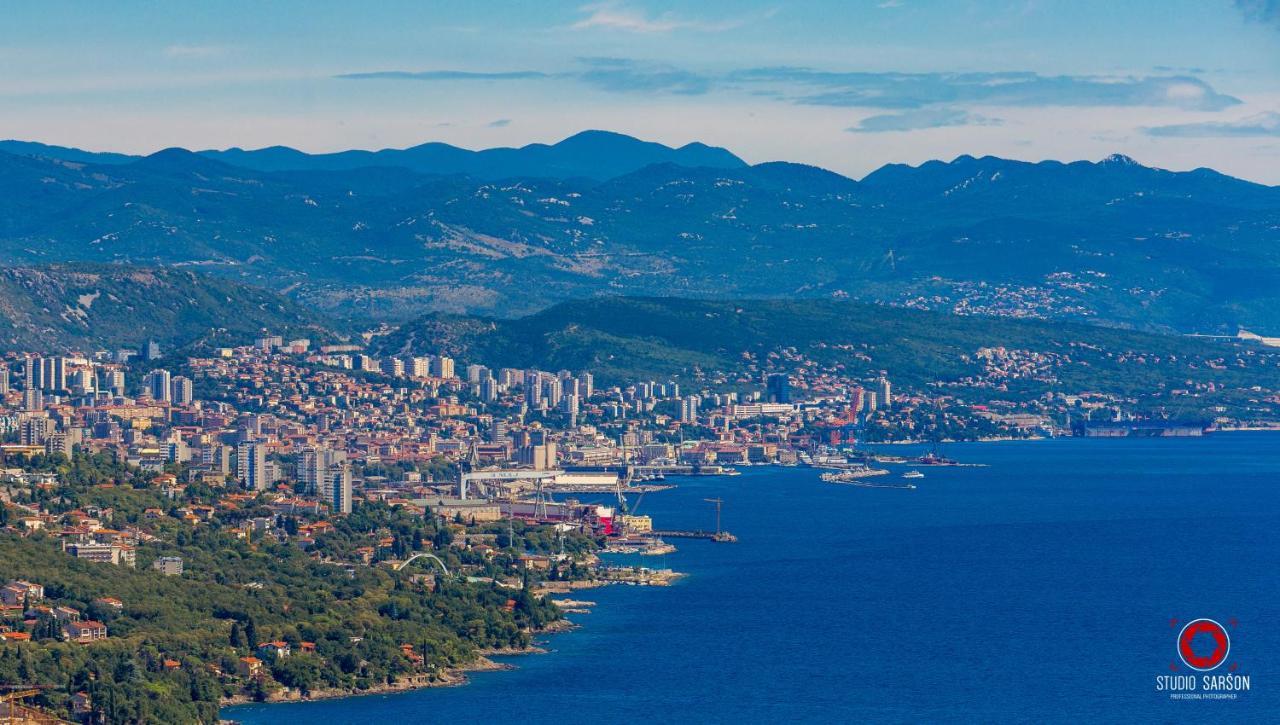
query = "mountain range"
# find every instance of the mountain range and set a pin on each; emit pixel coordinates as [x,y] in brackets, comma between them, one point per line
[588,155]
[507,232]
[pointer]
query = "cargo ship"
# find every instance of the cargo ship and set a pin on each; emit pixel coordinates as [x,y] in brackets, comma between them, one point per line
[1139,429]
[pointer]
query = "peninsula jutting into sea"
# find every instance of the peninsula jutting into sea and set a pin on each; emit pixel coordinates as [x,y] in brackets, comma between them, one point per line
[638,361]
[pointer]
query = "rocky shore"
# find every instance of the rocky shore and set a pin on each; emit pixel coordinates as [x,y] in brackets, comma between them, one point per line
[446,677]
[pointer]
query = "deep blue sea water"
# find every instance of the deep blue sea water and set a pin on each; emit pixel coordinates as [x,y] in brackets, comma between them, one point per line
[1038,589]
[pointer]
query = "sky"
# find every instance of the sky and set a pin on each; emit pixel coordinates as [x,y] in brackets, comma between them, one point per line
[848,85]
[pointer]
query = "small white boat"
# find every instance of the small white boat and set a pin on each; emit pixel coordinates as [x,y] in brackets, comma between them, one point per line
[913,474]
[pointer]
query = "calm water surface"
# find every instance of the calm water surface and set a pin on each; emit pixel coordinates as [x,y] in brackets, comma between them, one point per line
[1039,588]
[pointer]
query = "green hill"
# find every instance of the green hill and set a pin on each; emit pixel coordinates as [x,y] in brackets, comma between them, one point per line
[86,306]
[629,339]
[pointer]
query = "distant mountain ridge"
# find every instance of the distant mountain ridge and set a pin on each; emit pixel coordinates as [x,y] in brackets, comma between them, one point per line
[590,154]
[1111,242]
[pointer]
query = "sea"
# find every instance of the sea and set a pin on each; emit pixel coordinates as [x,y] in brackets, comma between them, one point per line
[1048,584]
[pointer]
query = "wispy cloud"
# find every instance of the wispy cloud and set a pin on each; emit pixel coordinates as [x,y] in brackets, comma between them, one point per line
[1262,124]
[853,89]
[617,16]
[918,90]
[921,118]
[500,123]
[624,75]
[1261,11]
[445,75]
[194,51]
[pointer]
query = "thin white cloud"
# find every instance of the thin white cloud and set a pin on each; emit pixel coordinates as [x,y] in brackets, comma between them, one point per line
[921,118]
[891,91]
[1262,124]
[194,51]
[614,15]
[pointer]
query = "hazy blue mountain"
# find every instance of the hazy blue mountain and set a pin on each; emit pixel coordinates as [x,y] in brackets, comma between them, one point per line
[589,154]
[64,153]
[1110,241]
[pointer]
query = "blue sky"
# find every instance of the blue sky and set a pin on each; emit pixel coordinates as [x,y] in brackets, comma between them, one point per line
[847,85]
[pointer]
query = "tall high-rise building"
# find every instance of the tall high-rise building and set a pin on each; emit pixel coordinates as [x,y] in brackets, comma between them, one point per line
[884,392]
[870,401]
[420,367]
[34,431]
[182,391]
[488,389]
[442,367]
[499,431]
[552,391]
[856,399]
[251,466]
[337,491]
[52,373]
[395,367]
[316,466]
[570,405]
[152,350]
[533,389]
[689,409]
[586,385]
[159,385]
[83,381]
[114,382]
[4,380]
[29,372]
[218,457]
[778,388]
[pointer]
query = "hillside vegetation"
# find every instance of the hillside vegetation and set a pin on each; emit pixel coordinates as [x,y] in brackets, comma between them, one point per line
[628,339]
[88,306]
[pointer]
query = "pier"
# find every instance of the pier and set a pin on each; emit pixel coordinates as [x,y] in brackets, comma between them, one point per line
[718,536]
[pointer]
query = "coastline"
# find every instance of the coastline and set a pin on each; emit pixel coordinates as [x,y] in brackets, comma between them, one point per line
[455,676]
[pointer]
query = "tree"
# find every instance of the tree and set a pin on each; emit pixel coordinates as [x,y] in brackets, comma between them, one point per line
[299,671]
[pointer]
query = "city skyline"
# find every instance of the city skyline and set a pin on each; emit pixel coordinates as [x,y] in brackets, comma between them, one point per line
[846,86]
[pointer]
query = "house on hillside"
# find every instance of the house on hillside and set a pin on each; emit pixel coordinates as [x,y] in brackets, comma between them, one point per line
[84,632]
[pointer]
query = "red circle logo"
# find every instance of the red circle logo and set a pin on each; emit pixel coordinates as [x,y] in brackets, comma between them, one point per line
[1203,662]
